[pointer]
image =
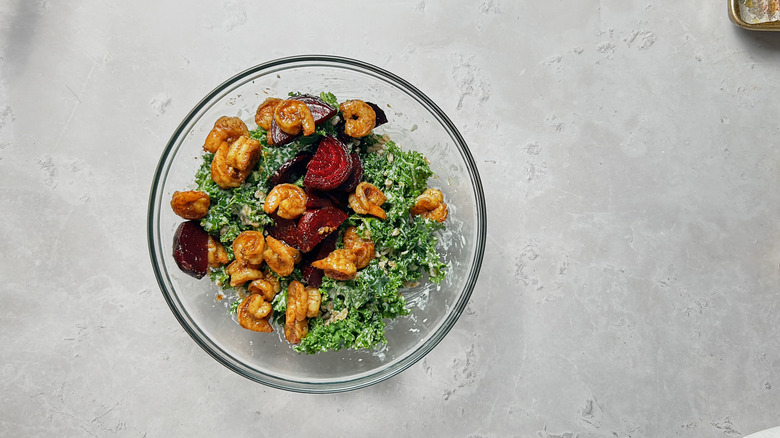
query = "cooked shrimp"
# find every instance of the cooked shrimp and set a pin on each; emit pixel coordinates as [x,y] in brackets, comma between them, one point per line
[288,200]
[314,302]
[296,331]
[359,118]
[362,248]
[248,247]
[280,257]
[216,253]
[368,199]
[225,175]
[226,130]
[292,116]
[240,273]
[190,205]
[253,314]
[265,112]
[430,205]
[243,153]
[338,265]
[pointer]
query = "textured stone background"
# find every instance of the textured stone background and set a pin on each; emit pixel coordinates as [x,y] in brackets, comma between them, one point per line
[635,295]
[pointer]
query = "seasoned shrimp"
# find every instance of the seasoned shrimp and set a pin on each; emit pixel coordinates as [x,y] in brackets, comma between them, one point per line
[430,205]
[297,302]
[248,247]
[296,331]
[190,205]
[254,312]
[216,253]
[362,248]
[243,153]
[288,200]
[359,118]
[225,175]
[240,273]
[292,116]
[280,257]
[338,265]
[265,112]
[368,199]
[268,286]
[314,302]
[226,130]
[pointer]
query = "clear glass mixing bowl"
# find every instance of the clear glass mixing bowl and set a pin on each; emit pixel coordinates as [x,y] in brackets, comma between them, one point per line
[415,122]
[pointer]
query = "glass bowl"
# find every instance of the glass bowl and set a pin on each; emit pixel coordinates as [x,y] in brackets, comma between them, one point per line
[416,123]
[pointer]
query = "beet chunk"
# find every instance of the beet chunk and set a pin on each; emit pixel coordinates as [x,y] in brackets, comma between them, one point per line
[381,118]
[285,230]
[191,249]
[316,199]
[315,225]
[320,111]
[290,171]
[355,175]
[279,137]
[329,167]
[311,275]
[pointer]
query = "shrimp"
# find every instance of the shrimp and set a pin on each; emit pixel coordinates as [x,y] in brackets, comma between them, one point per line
[248,247]
[359,118]
[338,265]
[265,112]
[430,205]
[191,205]
[362,248]
[243,153]
[226,130]
[280,257]
[254,312]
[288,200]
[225,175]
[216,253]
[368,199]
[292,116]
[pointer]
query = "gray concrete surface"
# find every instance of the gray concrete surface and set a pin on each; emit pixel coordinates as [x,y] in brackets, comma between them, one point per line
[630,157]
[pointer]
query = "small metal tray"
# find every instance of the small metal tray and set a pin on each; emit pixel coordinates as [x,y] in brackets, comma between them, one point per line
[736,16]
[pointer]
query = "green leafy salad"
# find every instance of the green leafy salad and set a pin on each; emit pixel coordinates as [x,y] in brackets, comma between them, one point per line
[282,230]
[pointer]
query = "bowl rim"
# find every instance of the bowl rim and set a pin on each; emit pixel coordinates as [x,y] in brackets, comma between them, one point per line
[341,385]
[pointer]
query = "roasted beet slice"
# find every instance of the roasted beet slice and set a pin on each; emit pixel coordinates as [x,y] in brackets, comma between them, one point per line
[191,249]
[279,137]
[355,175]
[293,169]
[316,199]
[320,111]
[329,167]
[381,118]
[285,230]
[316,225]
[311,275]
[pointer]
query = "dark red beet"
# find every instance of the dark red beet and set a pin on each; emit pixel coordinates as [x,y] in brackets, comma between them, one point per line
[291,170]
[279,137]
[316,225]
[329,167]
[311,275]
[191,249]
[285,230]
[381,118]
[320,111]
[355,175]
[316,199]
